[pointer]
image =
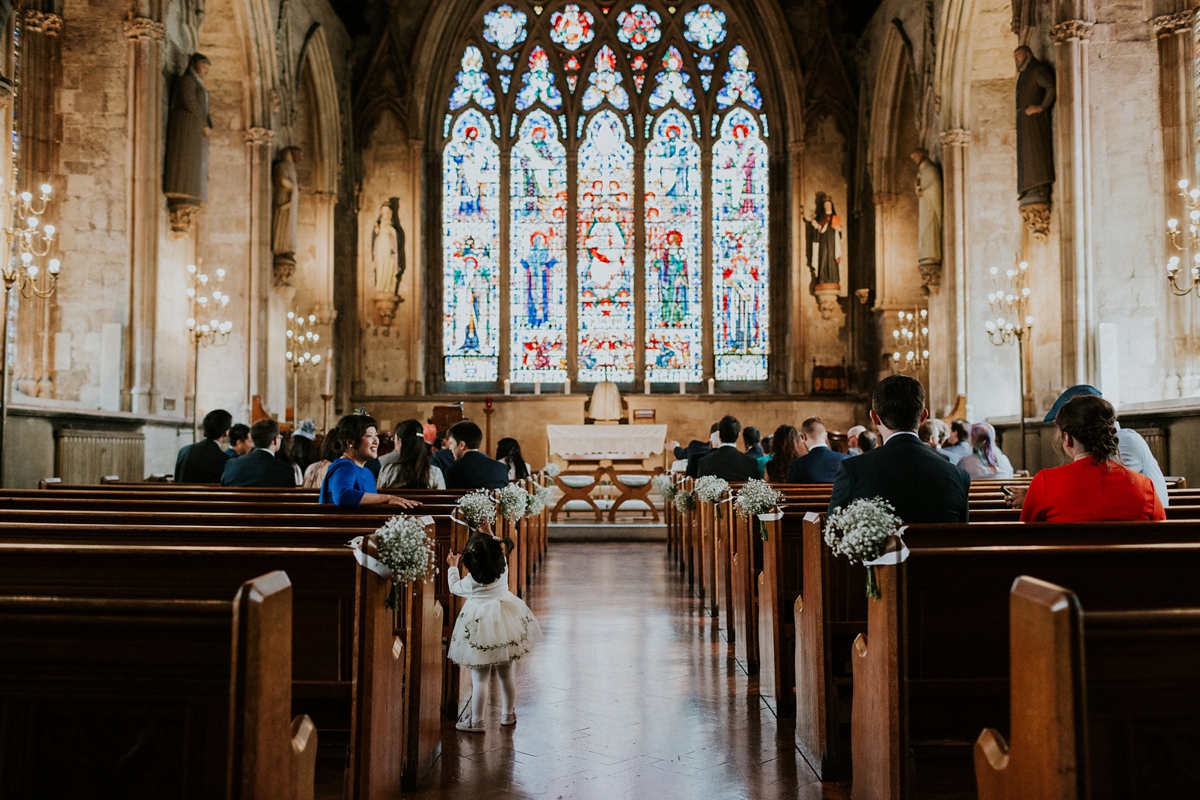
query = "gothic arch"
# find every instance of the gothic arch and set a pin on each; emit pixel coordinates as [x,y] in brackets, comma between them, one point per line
[894,86]
[315,56]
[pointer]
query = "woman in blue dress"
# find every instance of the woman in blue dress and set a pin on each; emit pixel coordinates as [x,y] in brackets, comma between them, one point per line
[348,482]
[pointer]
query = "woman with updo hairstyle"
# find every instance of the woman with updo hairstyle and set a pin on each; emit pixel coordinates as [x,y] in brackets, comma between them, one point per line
[1094,486]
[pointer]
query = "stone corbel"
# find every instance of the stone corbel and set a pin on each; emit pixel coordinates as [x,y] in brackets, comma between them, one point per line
[259,136]
[144,29]
[1171,24]
[956,137]
[42,22]
[1037,219]
[1072,29]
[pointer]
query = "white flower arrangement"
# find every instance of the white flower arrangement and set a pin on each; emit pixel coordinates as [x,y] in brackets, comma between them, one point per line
[405,549]
[537,500]
[685,502]
[712,489]
[664,486]
[552,471]
[477,508]
[757,497]
[512,502]
[860,531]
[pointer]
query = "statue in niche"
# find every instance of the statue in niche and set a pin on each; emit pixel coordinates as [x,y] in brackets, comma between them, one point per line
[1035,141]
[825,255]
[185,177]
[387,261]
[929,235]
[287,207]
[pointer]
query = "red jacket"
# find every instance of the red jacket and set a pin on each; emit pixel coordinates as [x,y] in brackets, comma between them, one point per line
[1084,491]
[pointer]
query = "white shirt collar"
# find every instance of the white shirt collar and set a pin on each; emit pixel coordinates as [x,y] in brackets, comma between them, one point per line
[728,444]
[812,447]
[894,434]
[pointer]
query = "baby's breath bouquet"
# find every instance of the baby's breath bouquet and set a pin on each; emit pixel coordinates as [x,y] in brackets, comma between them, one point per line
[537,500]
[754,498]
[405,549]
[477,508]
[513,501]
[664,486]
[552,471]
[712,489]
[859,532]
[685,502]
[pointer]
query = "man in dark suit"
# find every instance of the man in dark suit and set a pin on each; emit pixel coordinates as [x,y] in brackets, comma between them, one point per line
[820,464]
[204,461]
[727,461]
[752,438]
[921,485]
[239,440]
[260,467]
[472,469]
[695,450]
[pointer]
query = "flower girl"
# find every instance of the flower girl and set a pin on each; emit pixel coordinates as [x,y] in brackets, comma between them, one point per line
[494,629]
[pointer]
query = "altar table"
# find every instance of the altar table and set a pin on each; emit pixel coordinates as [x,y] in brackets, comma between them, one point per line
[614,442]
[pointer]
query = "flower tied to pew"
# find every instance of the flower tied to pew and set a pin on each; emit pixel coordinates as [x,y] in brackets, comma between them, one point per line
[664,486]
[757,497]
[712,489]
[477,508]
[537,500]
[513,502]
[552,471]
[685,502]
[406,550]
[860,532]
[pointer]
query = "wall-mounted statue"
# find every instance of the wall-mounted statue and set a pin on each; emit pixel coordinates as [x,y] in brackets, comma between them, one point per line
[825,254]
[1035,141]
[287,206]
[387,262]
[185,178]
[929,234]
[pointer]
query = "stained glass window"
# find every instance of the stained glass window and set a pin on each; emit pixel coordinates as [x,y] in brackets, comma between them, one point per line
[639,26]
[672,82]
[538,265]
[739,82]
[741,275]
[605,251]
[471,242]
[605,82]
[504,27]
[571,27]
[674,264]
[538,83]
[704,27]
[472,82]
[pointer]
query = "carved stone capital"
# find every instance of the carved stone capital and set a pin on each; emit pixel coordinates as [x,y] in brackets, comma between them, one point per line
[183,213]
[931,276]
[283,269]
[1072,29]
[1037,219]
[956,137]
[259,136]
[144,29]
[41,22]
[1174,23]
[385,308]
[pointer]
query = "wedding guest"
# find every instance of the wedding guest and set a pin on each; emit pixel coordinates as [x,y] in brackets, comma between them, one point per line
[412,468]
[239,440]
[934,432]
[348,482]
[958,443]
[695,446]
[752,439]
[1095,486]
[852,441]
[767,442]
[986,460]
[260,467]
[303,449]
[920,485]
[204,461]
[726,461]
[472,469]
[820,464]
[714,441]
[867,441]
[786,447]
[508,451]
[331,448]
[441,457]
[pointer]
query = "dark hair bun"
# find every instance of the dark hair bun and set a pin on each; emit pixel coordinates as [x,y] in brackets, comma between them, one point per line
[1092,422]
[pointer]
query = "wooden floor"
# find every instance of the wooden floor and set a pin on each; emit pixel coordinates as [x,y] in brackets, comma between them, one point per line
[631,695]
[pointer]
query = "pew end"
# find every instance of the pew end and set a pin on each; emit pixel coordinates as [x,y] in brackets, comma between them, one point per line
[304,756]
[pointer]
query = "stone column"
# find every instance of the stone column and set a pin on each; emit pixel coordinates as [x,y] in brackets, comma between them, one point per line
[954,255]
[144,120]
[259,278]
[1074,190]
[794,336]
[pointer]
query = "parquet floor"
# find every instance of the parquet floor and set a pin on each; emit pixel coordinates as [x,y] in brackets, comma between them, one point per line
[631,695]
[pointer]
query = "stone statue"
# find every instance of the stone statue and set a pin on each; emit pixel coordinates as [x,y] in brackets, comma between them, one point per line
[1035,140]
[287,206]
[386,253]
[929,235]
[185,177]
[825,243]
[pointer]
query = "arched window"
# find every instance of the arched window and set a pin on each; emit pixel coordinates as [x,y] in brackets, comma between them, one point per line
[606,163]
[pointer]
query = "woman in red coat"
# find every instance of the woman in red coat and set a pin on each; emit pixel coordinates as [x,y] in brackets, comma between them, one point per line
[1095,486]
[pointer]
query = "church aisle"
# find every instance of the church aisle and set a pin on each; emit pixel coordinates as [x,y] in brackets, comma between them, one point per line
[630,695]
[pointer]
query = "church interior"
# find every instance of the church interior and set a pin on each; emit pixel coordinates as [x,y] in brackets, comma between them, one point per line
[595,228]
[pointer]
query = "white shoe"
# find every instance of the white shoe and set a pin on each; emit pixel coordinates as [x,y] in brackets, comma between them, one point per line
[469,727]
[509,719]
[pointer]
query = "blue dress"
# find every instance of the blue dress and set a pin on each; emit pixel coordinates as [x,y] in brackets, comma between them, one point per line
[346,482]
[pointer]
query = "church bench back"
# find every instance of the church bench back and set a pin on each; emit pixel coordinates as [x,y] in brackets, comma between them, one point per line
[1092,696]
[98,683]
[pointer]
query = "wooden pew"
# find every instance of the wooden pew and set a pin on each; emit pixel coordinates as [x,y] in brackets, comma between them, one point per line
[1103,704]
[182,697]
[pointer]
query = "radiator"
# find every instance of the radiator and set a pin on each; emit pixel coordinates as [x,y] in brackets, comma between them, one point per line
[87,456]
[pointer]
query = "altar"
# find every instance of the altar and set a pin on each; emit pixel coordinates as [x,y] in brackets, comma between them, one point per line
[605,459]
[605,442]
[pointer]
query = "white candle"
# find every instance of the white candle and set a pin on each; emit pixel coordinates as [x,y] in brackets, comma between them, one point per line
[537,387]
[567,386]
[712,386]
[683,387]
[329,373]
[647,383]
[507,386]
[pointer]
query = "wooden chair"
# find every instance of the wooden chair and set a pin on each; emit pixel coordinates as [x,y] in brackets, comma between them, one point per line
[636,488]
[582,491]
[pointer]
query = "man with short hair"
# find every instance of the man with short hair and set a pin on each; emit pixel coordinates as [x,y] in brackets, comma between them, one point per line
[867,441]
[752,438]
[852,442]
[934,432]
[920,485]
[726,461]
[472,469]
[204,461]
[820,463]
[958,444]
[239,440]
[260,467]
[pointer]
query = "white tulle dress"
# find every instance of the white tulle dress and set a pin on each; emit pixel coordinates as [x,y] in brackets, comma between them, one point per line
[494,627]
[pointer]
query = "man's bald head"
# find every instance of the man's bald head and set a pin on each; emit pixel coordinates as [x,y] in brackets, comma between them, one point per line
[813,431]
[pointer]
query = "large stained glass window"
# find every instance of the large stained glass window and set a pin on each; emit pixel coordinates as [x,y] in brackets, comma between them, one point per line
[538,265]
[471,242]
[674,247]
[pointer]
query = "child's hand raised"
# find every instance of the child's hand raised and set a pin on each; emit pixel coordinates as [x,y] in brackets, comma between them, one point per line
[453,558]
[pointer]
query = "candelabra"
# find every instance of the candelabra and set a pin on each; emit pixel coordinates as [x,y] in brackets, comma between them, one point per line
[911,340]
[1185,242]
[301,337]
[205,323]
[1012,323]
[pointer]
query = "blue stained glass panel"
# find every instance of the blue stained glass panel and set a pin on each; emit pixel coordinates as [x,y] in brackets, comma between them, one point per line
[741,269]
[538,83]
[471,82]
[672,82]
[504,27]
[538,239]
[704,27]
[471,250]
[605,251]
[605,82]
[674,242]
[739,82]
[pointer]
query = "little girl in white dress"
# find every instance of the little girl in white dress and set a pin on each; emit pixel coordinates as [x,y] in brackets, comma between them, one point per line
[494,628]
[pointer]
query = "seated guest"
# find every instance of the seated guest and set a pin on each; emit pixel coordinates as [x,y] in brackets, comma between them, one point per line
[714,441]
[441,457]
[260,467]
[303,449]
[867,441]
[204,461]
[852,443]
[348,482]
[986,460]
[752,439]
[726,461]
[393,455]
[412,468]
[239,440]
[958,443]
[786,447]
[1095,486]
[508,451]
[472,469]
[920,485]
[331,448]
[767,441]
[695,446]
[934,432]
[820,464]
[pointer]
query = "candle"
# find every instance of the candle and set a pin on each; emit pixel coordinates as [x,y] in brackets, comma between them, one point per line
[683,387]
[537,387]
[329,373]
[567,386]
[712,386]
[647,383]
[507,386]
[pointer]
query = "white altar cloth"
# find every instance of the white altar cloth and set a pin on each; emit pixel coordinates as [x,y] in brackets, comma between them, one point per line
[579,440]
